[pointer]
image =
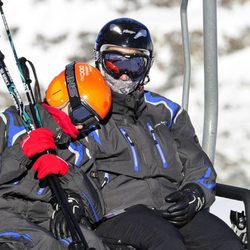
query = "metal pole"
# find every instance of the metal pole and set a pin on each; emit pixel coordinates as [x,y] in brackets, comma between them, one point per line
[186,53]
[211,78]
[211,104]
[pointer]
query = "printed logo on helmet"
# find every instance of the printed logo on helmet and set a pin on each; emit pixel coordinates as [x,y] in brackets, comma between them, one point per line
[84,70]
[117,29]
[128,31]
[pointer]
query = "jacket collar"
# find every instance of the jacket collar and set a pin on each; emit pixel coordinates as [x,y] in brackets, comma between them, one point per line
[130,105]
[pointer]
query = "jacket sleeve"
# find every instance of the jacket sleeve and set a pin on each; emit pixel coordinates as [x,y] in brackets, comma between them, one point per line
[197,166]
[13,162]
[82,180]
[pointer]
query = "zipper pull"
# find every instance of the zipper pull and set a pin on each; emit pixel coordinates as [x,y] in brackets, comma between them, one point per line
[152,133]
[106,180]
[127,136]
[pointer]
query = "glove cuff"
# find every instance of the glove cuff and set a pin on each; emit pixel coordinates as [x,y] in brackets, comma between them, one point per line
[198,194]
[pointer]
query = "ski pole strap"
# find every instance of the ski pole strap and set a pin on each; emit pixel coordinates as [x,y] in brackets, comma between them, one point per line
[27,81]
[25,69]
[26,120]
[37,91]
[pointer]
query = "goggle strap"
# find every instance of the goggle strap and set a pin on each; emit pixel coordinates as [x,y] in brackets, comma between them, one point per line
[74,98]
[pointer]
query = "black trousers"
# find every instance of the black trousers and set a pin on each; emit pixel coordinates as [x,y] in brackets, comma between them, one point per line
[144,229]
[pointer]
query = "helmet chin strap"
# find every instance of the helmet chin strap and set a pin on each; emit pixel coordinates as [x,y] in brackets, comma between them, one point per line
[146,80]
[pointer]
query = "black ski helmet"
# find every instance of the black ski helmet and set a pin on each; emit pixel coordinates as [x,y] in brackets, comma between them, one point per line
[127,33]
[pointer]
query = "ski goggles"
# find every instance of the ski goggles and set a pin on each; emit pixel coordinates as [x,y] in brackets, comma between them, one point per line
[81,115]
[116,64]
[79,112]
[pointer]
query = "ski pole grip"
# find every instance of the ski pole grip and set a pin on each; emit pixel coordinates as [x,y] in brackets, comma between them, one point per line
[25,69]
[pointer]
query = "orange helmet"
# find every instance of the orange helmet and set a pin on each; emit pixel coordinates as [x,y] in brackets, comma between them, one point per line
[90,88]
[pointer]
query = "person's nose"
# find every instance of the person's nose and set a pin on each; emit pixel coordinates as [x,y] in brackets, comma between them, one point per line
[124,77]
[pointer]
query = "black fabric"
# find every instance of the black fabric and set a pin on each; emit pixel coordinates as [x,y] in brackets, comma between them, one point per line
[144,229]
[208,232]
[128,106]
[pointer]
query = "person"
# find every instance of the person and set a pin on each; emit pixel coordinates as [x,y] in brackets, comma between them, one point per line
[77,100]
[156,181]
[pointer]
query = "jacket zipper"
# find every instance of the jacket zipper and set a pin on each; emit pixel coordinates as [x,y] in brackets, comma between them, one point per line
[158,145]
[132,147]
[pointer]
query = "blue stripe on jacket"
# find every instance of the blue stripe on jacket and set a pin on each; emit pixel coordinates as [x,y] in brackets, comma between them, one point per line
[170,105]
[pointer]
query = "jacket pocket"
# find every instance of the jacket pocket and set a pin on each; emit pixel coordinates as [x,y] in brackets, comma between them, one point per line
[157,145]
[132,148]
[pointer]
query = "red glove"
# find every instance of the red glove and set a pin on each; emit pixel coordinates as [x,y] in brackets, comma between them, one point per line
[37,141]
[63,120]
[50,164]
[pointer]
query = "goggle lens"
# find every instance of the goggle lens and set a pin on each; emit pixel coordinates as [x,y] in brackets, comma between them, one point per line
[81,115]
[117,64]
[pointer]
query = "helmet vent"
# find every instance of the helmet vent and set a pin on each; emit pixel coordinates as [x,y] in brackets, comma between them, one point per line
[140,34]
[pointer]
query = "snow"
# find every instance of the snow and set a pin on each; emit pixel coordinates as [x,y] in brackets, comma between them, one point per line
[223,206]
[68,17]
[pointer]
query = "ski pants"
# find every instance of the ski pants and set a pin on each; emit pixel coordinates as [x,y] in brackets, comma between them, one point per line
[144,229]
[17,233]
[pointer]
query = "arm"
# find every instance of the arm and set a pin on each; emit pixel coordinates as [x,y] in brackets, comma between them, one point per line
[13,162]
[198,168]
[17,155]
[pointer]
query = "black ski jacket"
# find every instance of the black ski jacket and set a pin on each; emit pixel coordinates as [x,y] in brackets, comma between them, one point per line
[146,150]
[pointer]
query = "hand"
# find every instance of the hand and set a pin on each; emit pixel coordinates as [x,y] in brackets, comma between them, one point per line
[48,164]
[58,223]
[187,202]
[37,141]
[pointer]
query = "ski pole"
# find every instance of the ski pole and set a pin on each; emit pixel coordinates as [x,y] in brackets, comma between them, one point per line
[78,240]
[23,73]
